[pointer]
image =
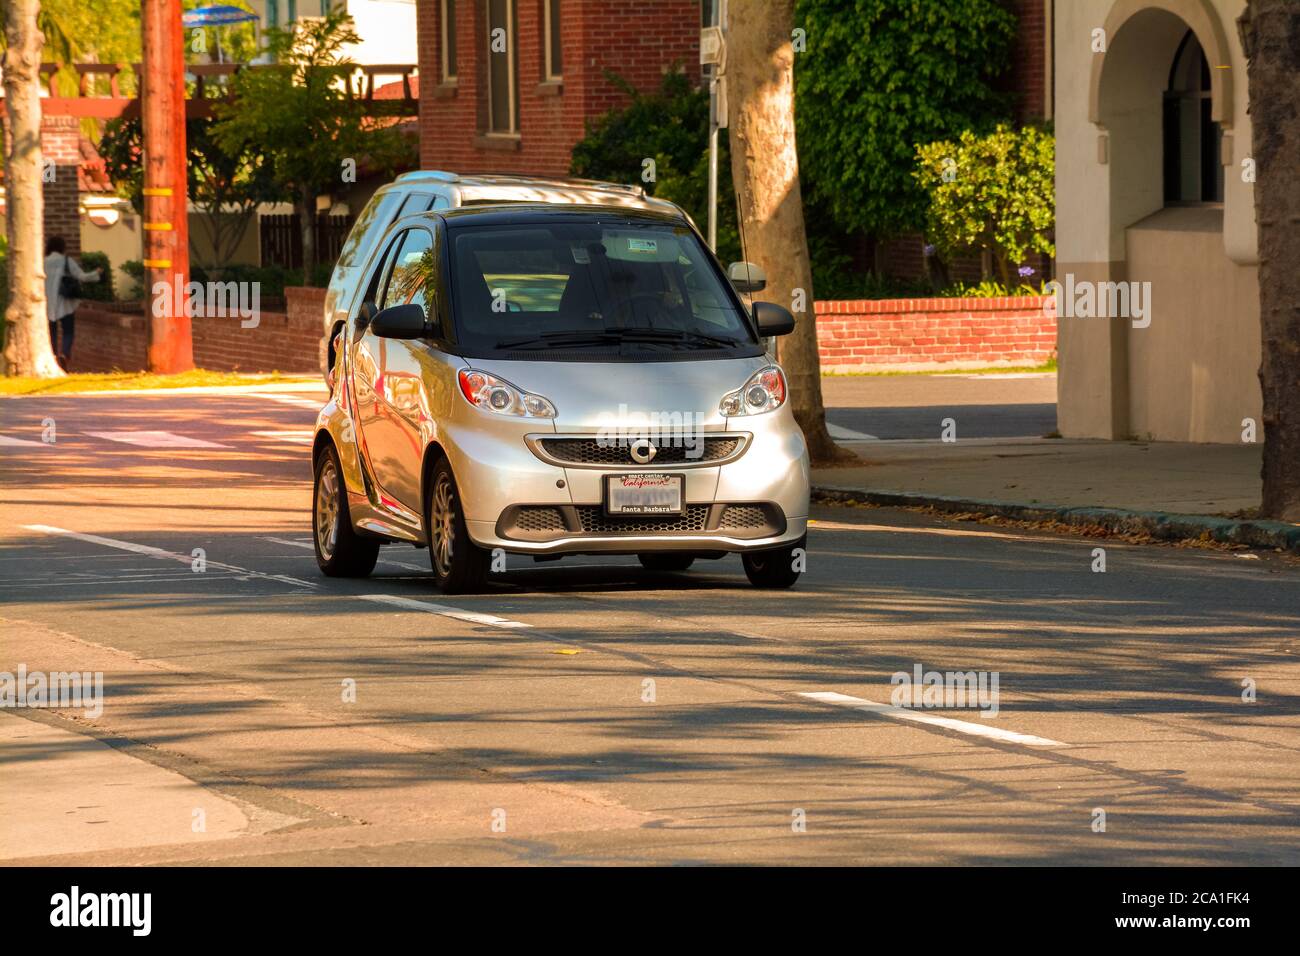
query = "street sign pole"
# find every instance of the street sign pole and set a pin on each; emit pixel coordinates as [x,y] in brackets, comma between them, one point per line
[166,226]
[713,53]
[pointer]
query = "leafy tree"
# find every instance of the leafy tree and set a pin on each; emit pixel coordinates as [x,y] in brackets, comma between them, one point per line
[299,114]
[760,72]
[879,78]
[671,126]
[27,338]
[225,188]
[995,192]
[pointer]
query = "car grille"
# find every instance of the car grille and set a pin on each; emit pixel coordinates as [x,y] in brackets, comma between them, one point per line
[737,517]
[592,451]
[539,520]
[550,522]
[594,521]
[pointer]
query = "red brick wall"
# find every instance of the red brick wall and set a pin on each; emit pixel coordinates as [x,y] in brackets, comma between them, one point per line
[287,341]
[934,332]
[61,144]
[1029,64]
[106,341]
[638,41]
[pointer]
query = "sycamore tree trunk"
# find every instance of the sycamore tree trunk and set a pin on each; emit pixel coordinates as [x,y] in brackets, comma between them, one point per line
[307,220]
[1270,32]
[765,168]
[27,337]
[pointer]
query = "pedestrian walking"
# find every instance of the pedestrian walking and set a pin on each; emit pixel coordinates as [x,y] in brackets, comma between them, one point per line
[63,279]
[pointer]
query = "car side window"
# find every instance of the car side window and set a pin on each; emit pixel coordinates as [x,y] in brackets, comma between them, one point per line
[414,275]
[374,219]
[378,279]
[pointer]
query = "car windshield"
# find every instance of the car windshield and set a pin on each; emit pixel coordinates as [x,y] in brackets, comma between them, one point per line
[604,287]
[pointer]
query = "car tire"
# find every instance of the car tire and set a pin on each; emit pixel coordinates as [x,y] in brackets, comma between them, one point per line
[773,569]
[340,551]
[459,565]
[665,561]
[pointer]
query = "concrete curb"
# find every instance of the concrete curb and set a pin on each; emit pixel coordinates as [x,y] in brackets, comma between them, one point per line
[1158,524]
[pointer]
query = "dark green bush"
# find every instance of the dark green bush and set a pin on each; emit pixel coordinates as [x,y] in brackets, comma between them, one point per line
[101,291]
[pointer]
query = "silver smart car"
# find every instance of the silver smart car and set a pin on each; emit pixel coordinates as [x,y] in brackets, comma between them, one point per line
[555,380]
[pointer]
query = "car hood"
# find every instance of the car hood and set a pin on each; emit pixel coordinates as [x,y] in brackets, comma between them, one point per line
[589,396]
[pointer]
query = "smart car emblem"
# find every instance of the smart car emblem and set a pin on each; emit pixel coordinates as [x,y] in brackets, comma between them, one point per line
[642,451]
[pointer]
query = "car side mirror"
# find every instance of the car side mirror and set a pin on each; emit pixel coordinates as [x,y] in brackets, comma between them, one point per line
[772,319]
[400,322]
[746,277]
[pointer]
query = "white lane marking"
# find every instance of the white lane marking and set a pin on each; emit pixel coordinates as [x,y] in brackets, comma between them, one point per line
[298,438]
[948,723]
[293,544]
[294,400]
[445,610]
[164,555]
[6,440]
[840,433]
[150,439]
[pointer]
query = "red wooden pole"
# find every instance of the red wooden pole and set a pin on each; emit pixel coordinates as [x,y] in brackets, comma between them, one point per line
[166,225]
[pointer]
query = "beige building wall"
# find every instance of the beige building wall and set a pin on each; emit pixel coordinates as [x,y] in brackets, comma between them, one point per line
[119,241]
[1191,374]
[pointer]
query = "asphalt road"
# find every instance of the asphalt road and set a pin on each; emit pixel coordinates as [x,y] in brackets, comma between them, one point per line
[892,407]
[587,711]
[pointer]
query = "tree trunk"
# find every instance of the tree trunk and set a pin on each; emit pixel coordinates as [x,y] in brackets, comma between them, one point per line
[1270,31]
[765,168]
[27,340]
[307,221]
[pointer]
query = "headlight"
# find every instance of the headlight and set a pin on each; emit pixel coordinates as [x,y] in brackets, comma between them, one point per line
[497,395]
[764,392]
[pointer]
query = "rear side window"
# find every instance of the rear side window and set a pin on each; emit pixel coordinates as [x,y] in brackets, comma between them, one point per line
[370,225]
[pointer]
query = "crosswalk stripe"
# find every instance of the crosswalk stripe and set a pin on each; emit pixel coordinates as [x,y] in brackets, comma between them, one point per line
[155,439]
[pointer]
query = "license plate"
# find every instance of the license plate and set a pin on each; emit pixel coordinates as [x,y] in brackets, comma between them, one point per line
[642,494]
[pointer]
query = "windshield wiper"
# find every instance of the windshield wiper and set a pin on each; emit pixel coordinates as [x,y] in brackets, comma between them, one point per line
[578,339]
[573,339]
[677,335]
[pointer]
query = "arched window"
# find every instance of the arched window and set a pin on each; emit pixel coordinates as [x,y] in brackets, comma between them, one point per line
[1193,173]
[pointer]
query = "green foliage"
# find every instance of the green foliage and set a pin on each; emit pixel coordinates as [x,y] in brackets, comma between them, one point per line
[991,192]
[226,187]
[101,291]
[879,78]
[670,126]
[272,279]
[990,289]
[298,115]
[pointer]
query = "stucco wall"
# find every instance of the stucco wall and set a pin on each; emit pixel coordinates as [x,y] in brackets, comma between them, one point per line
[1109,179]
[1192,372]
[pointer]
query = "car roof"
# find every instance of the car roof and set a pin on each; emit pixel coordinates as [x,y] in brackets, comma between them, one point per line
[478,189]
[523,213]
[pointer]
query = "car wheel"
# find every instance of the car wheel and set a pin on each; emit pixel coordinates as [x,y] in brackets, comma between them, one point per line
[772,569]
[459,565]
[665,561]
[340,551]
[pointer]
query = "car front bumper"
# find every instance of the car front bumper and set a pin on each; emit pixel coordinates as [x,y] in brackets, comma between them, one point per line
[501,476]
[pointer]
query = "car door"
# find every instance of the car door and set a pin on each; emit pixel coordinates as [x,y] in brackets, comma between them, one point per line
[406,420]
[366,363]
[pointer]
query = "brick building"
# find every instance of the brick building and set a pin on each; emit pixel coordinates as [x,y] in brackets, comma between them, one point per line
[521,108]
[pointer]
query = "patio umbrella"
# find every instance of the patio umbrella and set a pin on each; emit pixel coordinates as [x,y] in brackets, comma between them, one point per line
[218,15]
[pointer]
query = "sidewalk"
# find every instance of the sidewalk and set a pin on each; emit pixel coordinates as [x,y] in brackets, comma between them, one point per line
[1165,489]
